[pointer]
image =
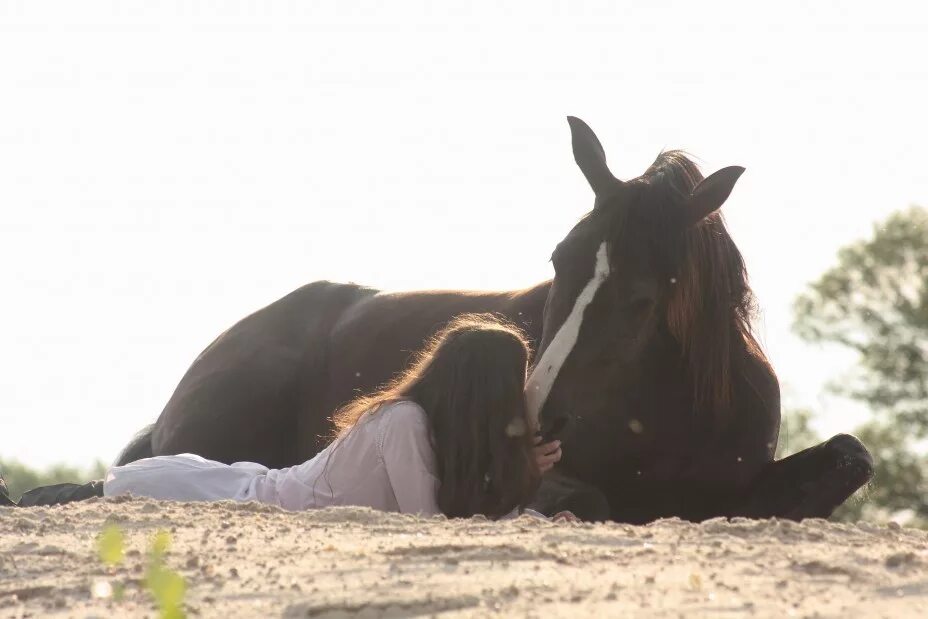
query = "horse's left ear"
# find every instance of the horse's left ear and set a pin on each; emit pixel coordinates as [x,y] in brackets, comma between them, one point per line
[590,156]
[711,193]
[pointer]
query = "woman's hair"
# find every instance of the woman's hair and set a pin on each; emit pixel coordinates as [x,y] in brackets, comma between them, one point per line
[470,380]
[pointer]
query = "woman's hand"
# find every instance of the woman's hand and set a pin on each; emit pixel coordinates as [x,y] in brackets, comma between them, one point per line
[547,454]
[564,517]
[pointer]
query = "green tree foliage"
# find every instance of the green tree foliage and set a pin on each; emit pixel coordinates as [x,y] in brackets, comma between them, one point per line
[875,302]
[20,477]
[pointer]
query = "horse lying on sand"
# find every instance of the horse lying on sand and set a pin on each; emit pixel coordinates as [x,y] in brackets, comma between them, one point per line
[645,357]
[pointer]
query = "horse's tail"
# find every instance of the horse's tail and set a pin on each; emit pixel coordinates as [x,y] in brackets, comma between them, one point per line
[139,447]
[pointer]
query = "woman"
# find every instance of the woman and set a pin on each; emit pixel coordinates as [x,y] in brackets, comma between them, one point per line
[451,435]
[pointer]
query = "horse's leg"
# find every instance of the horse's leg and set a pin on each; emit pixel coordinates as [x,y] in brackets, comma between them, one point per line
[559,493]
[811,483]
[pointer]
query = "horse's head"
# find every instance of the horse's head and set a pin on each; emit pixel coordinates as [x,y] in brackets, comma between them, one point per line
[650,265]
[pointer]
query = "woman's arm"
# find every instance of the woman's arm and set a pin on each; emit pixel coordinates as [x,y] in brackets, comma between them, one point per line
[409,460]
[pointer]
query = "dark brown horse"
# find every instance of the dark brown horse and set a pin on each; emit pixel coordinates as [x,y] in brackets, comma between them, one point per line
[644,349]
[648,353]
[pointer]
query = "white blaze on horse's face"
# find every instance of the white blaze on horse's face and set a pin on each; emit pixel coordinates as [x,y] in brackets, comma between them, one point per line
[542,378]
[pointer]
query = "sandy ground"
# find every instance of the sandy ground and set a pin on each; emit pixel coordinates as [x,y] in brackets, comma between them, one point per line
[247,560]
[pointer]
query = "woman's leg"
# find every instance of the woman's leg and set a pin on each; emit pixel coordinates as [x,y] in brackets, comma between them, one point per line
[57,494]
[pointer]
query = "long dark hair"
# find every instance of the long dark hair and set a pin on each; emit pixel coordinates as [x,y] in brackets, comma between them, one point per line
[470,380]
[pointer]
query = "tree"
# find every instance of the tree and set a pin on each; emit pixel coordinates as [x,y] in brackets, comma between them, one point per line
[875,302]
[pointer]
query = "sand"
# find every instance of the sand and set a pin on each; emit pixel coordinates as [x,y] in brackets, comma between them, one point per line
[248,560]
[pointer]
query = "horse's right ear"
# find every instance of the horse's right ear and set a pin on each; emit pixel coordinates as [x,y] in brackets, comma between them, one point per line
[590,156]
[709,195]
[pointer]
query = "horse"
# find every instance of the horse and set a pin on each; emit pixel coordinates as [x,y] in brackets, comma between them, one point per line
[644,357]
[648,357]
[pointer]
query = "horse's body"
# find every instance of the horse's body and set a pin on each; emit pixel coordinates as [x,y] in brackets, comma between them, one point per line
[644,347]
[263,391]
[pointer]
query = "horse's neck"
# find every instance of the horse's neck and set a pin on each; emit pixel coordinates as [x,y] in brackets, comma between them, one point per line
[527,309]
[663,372]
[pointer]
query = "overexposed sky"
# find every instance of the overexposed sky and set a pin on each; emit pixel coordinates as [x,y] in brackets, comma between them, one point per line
[168,167]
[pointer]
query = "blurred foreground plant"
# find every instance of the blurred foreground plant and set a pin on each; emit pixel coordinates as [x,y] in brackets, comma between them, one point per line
[166,586]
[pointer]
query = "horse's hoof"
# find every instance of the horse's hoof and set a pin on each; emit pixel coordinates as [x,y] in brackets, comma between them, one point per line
[852,456]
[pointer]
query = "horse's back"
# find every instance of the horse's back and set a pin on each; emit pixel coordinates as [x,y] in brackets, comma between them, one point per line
[377,337]
[240,399]
[265,389]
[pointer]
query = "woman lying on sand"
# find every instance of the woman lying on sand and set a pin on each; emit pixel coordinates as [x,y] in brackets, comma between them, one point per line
[450,436]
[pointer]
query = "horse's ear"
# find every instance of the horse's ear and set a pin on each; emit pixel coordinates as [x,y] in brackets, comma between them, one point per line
[711,193]
[590,156]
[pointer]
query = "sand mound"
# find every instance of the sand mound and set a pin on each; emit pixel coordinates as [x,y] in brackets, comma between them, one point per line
[256,561]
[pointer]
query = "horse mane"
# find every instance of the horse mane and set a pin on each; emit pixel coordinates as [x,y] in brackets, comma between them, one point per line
[711,306]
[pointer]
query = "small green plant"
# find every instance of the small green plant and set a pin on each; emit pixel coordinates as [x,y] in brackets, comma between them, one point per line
[110,545]
[166,586]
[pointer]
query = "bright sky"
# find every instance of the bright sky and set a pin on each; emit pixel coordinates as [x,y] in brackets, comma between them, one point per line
[167,168]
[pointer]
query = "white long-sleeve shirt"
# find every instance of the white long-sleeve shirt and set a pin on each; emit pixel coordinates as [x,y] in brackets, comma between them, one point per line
[385,462]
